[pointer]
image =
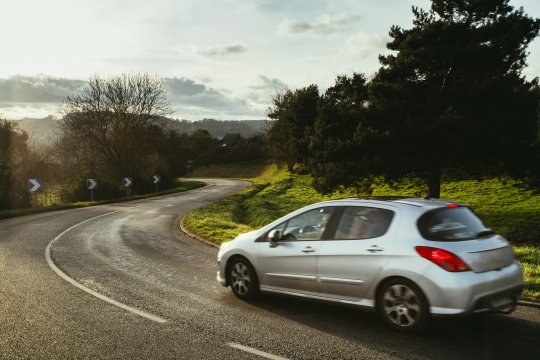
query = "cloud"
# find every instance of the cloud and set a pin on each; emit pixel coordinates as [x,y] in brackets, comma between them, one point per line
[182,87]
[269,84]
[265,90]
[288,6]
[216,105]
[364,45]
[261,94]
[188,92]
[219,51]
[37,89]
[324,25]
[192,100]
[14,111]
[39,96]
[35,96]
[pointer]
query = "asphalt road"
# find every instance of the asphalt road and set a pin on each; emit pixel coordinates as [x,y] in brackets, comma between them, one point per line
[128,285]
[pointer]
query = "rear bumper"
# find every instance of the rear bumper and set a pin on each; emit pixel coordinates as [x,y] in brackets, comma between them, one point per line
[456,294]
[502,301]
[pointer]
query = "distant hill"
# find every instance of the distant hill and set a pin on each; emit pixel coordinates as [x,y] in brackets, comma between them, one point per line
[216,128]
[40,130]
[43,130]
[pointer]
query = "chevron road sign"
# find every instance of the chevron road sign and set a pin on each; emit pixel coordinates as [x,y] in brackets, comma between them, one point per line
[34,185]
[91,184]
[156,179]
[128,182]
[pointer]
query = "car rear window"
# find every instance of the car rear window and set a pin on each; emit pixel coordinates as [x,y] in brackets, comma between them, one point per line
[452,224]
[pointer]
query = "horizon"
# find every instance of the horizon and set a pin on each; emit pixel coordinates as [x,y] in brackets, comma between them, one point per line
[57,118]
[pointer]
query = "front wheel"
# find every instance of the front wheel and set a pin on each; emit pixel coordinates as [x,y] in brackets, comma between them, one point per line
[243,279]
[403,306]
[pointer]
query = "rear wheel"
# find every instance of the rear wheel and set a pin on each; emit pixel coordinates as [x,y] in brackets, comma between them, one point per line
[243,279]
[403,306]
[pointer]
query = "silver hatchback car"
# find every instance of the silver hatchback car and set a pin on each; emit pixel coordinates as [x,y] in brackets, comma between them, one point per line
[409,259]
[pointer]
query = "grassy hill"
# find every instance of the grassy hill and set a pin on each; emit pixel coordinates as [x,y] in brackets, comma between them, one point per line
[501,203]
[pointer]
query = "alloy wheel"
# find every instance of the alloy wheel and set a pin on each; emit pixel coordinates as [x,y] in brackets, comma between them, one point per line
[402,306]
[240,279]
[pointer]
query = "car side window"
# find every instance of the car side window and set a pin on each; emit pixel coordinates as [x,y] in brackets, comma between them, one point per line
[306,226]
[363,223]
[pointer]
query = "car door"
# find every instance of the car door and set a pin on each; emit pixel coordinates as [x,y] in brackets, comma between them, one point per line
[290,263]
[360,247]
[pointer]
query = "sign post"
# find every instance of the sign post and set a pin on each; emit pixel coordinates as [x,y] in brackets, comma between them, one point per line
[34,186]
[91,184]
[127,184]
[156,179]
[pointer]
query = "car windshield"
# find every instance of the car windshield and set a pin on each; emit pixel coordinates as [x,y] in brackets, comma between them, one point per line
[452,224]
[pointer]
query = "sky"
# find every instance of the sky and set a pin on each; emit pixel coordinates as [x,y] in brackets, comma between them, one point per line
[221,59]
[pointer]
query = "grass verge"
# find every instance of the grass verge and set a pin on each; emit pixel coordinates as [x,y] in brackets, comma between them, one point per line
[183,186]
[501,203]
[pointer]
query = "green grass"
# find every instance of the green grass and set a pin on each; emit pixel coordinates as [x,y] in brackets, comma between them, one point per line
[529,258]
[183,186]
[501,203]
[244,170]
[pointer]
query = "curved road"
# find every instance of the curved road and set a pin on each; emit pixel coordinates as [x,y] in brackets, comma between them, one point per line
[132,287]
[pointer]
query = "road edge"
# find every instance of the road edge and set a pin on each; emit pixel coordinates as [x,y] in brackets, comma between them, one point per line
[193,235]
[529,303]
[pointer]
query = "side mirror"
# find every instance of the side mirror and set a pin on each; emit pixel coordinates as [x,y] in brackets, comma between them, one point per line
[274,236]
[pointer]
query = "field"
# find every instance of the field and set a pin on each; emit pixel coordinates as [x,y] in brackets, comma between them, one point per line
[503,205]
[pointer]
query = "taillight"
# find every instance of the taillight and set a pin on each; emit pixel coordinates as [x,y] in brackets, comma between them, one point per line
[452,206]
[443,258]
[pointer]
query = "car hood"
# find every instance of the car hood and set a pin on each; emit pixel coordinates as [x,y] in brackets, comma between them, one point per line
[239,240]
[252,235]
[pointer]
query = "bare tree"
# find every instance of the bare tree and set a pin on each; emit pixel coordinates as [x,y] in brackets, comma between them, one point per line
[108,125]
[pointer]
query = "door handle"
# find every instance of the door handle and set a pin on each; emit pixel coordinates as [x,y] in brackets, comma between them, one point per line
[375,249]
[308,249]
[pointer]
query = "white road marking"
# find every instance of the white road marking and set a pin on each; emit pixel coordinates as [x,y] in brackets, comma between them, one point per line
[256,352]
[90,291]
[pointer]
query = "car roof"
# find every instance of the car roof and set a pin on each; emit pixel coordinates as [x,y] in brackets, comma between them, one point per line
[428,202]
[388,200]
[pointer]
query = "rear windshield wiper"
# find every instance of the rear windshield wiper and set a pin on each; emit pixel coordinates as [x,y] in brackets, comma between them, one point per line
[485,233]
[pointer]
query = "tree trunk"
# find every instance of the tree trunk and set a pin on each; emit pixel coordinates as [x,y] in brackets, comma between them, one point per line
[290,166]
[434,183]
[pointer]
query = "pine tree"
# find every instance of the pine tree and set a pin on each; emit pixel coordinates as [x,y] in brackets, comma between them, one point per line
[453,96]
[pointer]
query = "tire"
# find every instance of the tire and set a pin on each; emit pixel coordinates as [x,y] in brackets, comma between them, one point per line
[243,279]
[403,306]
